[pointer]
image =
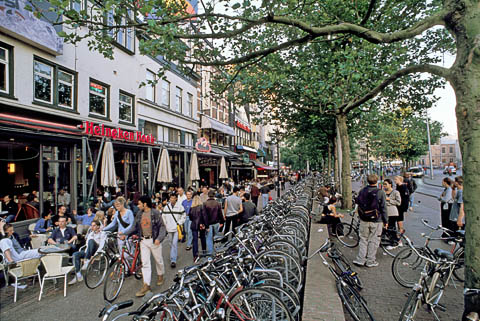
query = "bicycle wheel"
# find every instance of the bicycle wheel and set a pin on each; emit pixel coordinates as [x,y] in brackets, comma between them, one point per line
[114,281]
[96,271]
[138,268]
[353,301]
[411,306]
[459,271]
[344,268]
[292,304]
[347,234]
[407,266]
[287,286]
[287,246]
[257,304]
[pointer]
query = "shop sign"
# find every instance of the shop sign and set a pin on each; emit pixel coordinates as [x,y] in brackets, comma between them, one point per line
[245,158]
[244,127]
[207,161]
[203,145]
[116,133]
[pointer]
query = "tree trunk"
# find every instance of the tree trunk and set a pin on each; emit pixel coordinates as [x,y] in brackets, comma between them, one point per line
[465,80]
[335,163]
[346,173]
[329,160]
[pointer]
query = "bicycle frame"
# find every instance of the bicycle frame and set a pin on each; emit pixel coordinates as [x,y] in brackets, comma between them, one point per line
[130,268]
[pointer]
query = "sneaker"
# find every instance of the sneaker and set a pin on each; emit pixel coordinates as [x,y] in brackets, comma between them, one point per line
[20,286]
[188,248]
[79,278]
[160,280]
[392,247]
[451,242]
[73,281]
[356,262]
[400,243]
[372,264]
[173,265]
[85,265]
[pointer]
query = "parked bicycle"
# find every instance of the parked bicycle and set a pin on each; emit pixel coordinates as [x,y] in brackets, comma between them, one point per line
[351,298]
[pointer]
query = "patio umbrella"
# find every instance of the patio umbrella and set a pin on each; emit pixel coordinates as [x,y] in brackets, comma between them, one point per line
[223,169]
[108,178]
[164,170]
[194,175]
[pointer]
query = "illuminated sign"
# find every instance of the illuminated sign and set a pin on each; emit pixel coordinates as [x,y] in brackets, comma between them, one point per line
[244,127]
[203,145]
[116,133]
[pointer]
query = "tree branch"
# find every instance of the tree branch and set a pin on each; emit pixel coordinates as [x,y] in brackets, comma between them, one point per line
[432,69]
[371,6]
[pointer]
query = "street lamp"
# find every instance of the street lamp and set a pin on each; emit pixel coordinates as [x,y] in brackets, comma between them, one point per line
[429,145]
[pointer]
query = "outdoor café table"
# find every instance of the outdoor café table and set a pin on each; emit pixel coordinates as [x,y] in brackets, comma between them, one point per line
[57,248]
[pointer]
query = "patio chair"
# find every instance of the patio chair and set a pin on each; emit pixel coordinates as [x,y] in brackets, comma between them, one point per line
[55,270]
[38,240]
[25,269]
[4,267]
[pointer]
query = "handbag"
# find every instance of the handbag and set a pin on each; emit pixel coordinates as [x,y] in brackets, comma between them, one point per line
[179,227]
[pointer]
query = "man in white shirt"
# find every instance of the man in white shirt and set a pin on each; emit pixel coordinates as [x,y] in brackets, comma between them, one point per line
[95,242]
[233,207]
[11,248]
[181,195]
[173,214]
[63,198]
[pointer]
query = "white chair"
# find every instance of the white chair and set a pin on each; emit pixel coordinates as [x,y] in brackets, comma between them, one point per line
[25,269]
[38,240]
[55,270]
[4,267]
[31,227]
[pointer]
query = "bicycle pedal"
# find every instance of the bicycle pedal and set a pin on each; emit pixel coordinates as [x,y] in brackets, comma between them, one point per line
[441,307]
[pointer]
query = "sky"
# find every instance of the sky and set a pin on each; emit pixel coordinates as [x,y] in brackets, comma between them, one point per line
[444,110]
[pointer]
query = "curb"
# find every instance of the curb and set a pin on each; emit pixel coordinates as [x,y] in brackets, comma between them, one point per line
[431,184]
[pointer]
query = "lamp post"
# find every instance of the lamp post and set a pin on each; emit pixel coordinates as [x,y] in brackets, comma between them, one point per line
[278,165]
[429,146]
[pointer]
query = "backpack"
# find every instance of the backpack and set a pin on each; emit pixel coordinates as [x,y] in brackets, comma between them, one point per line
[368,205]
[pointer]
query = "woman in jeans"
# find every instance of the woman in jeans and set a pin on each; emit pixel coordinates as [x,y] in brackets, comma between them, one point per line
[198,225]
[457,214]
[446,202]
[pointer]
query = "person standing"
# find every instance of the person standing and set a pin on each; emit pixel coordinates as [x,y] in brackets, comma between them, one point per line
[249,209]
[265,191]
[213,210]
[63,198]
[446,202]
[181,195]
[150,229]
[412,187]
[404,191]
[255,193]
[187,204]
[122,222]
[372,211]
[393,199]
[233,207]
[204,195]
[198,226]
[457,214]
[173,215]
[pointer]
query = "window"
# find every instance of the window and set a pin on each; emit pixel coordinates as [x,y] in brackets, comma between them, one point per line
[451,150]
[43,78]
[125,107]
[165,93]
[65,89]
[98,100]
[121,36]
[5,73]
[173,136]
[178,99]
[443,150]
[190,105]
[77,5]
[150,87]
[53,85]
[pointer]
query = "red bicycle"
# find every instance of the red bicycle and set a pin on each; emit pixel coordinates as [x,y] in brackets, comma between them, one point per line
[125,264]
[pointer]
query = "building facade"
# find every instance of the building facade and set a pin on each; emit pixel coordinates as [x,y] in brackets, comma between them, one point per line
[445,152]
[60,104]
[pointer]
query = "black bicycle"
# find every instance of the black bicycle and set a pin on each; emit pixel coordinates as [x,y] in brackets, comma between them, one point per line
[351,298]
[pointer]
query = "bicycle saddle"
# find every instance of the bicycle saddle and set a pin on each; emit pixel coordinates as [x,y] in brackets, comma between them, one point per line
[443,254]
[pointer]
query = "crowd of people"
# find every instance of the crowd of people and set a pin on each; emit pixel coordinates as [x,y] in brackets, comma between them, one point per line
[163,219]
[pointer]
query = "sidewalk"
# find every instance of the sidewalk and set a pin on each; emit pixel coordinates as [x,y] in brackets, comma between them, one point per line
[321,301]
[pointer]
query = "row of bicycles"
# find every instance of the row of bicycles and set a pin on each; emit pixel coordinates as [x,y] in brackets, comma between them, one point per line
[256,273]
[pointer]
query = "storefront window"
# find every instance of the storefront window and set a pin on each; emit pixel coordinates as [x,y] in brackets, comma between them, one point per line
[56,177]
[173,136]
[98,99]
[43,77]
[125,107]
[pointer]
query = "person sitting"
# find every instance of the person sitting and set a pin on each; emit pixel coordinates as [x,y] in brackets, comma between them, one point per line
[11,207]
[84,221]
[62,212]
[44,224]
[11,247]
[330,216]
[95,242]
[33,201]
[63,235]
